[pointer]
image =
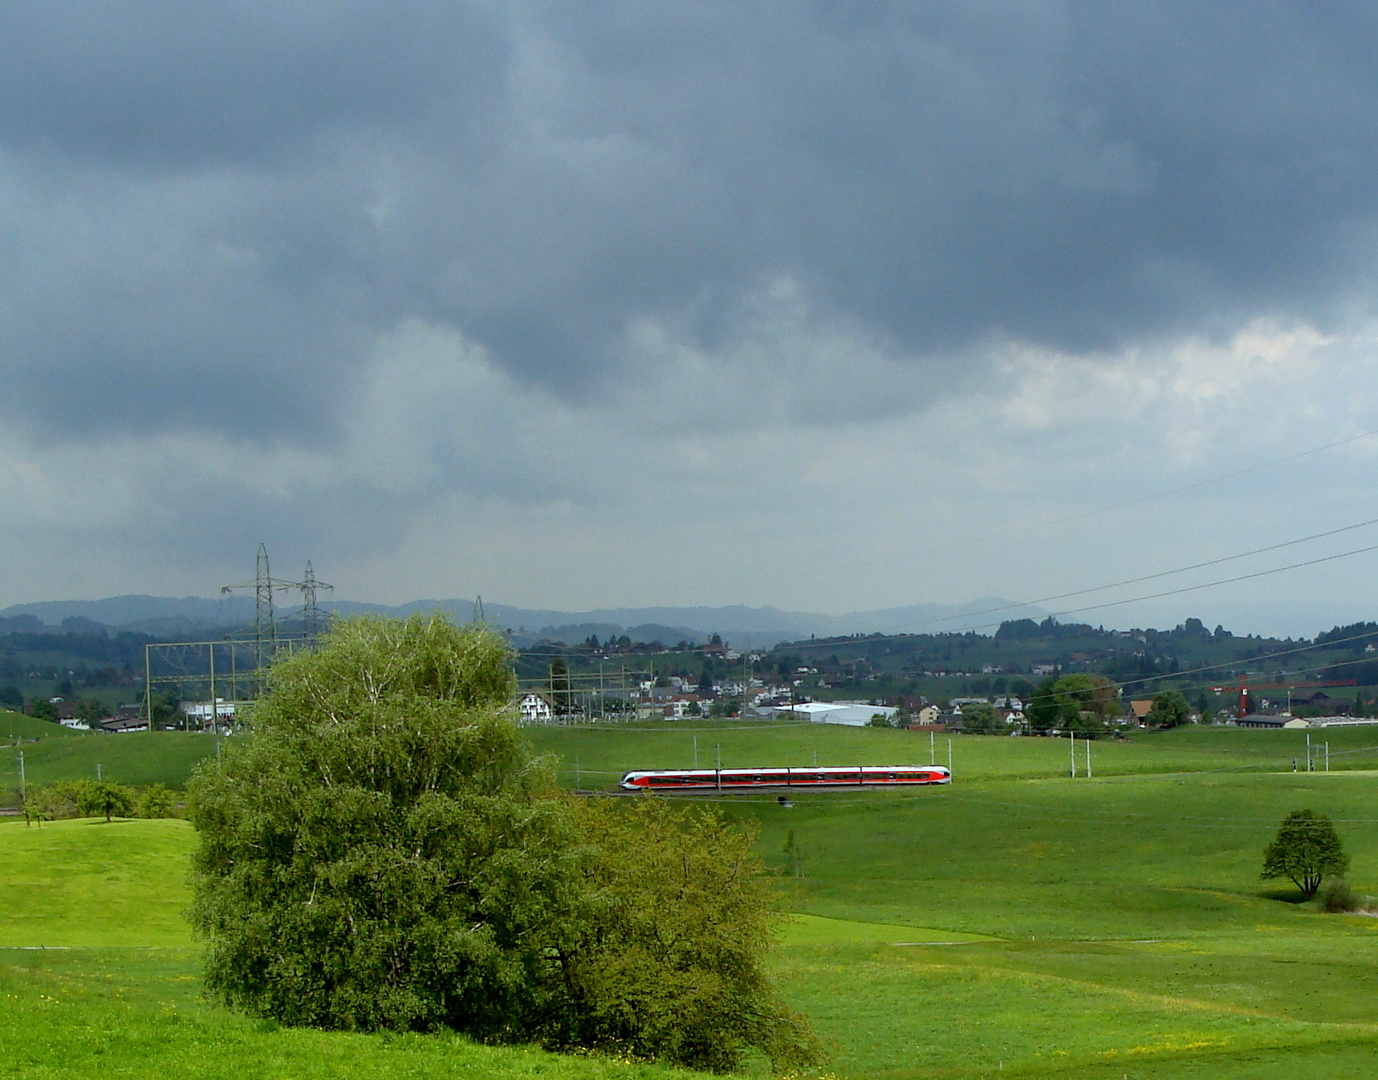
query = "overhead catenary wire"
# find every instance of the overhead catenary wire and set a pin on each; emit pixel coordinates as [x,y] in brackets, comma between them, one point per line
[1162,573]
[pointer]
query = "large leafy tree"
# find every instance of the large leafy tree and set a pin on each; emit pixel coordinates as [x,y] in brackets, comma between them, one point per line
[373,856]
[1306,851]
[1042,707]
[1078,702]
[384,852]
[982,719]
[1169,710]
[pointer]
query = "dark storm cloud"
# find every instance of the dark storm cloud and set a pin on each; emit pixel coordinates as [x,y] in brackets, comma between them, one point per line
[220,207]
[166,84]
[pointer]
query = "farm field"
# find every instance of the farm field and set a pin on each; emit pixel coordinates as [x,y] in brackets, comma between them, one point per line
[1016,923]
[15,725]
[602,754]
[140,758]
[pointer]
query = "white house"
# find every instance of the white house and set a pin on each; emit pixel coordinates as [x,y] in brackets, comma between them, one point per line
[536,708]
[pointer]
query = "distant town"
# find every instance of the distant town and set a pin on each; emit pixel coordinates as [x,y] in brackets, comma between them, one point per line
[1028,677]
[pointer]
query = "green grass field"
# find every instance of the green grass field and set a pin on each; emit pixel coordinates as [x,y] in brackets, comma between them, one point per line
[1017,923]
[140,758]
[603,754]
[15,726]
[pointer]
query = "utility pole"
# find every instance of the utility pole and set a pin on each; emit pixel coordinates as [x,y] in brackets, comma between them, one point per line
[932,753]
[696,751]
[717,749]
[1088,758]
[148,688]
[1073,736]
[949,755]
[215,711]
[23,793]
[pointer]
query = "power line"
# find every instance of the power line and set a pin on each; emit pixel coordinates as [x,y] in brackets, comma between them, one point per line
[1164,573]
[1222,581]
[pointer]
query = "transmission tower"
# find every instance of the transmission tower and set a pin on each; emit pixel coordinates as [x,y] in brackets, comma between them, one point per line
[310,613]
[265,615]
[265,625]
[478,611]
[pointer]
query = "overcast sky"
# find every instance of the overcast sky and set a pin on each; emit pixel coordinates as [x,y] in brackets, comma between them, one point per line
[828,305]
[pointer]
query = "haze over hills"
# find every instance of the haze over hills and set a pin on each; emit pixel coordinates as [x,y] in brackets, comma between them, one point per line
[740,625]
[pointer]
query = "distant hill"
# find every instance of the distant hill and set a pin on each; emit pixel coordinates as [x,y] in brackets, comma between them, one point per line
[754,627]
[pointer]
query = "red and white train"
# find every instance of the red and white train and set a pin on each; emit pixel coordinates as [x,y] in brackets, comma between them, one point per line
[816,779]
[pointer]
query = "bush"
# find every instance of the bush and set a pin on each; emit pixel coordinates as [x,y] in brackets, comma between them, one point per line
[156,801]
[385,853]
[79,798]
[1337,897]
[665,959]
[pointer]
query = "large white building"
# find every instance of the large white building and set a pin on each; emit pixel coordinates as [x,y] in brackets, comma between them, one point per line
[203,714]
[851,713]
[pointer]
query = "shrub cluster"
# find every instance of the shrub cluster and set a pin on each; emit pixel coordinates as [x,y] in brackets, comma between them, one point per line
[385,853]
[97,798]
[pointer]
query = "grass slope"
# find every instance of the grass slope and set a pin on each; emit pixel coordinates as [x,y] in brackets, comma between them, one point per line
[1017,923]
[87,883]
[141,758]
[114,1013]
[1132,928]
[15,726]
[116,993]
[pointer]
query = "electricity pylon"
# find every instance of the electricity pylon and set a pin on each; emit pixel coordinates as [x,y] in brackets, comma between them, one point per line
[265,616]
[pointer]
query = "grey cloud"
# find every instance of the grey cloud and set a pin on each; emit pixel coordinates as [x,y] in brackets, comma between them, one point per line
[269,188]
[169,85]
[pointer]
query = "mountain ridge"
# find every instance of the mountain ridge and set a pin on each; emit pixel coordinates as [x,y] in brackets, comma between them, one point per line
[739,624]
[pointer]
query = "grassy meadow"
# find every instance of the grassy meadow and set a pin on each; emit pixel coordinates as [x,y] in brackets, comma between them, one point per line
[1017,923]
[55,753]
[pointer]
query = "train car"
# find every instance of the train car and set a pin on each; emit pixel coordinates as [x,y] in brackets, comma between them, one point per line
[830,777]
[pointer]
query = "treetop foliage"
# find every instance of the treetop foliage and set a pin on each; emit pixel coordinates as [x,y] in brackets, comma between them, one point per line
[1306,851]
[1169,710]
[385,852]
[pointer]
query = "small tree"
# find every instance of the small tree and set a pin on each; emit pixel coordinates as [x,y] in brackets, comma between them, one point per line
[1306,851]
[97,797]
[1169,710]
[982,719]
[561,693]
